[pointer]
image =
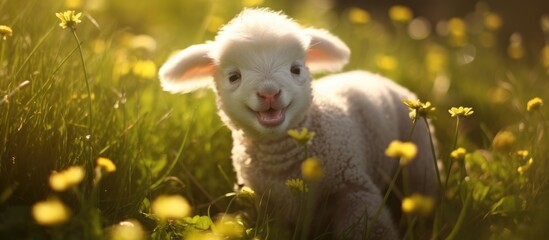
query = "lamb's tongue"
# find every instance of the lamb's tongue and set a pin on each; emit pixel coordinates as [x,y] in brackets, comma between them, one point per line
[271,117]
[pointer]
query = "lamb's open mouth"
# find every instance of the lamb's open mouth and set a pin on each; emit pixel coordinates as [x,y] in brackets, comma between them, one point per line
[272,117]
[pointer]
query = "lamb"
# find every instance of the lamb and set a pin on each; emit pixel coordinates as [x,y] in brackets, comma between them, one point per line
[261,64]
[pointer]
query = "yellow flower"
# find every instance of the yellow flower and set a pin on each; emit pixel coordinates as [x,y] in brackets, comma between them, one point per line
[144,69]
[50,212]
[417,108]
[406,151]
[127,230]
[106,164]
[523,154]
[399,13]
[457,29]
[72,176]
[69,19]
[171,207]
[5,32]
[418,204]
[303,136]
[436,59]
[461,111]
[459,153]
[358,15]
[522,169]
[312,169]
[229,226]
[492,21]
[195,235]
[503,140]
[297,186]
[246,193]
[386,62]
[534,104]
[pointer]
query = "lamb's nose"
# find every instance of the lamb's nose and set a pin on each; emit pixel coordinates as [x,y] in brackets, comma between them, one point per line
[269,95]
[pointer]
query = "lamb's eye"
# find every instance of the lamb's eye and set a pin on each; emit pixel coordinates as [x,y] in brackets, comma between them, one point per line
[295,70]
[233,77]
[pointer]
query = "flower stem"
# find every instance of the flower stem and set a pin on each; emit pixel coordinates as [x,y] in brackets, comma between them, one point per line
[90,112]
[461,218]
[450,162]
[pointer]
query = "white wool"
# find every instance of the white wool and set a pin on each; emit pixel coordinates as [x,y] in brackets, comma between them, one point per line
[260,63]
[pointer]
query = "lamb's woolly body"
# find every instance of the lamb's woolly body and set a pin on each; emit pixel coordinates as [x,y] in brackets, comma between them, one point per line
[354,116]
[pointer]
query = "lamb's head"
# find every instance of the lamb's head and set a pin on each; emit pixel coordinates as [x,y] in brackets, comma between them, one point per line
[260,63]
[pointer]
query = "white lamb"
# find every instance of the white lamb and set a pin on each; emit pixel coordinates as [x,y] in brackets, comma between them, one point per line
[261,64]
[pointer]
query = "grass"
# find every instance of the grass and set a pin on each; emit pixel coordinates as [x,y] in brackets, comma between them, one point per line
[166,144]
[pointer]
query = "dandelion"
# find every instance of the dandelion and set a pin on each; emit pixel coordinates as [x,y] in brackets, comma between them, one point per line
[312,169]
[69,19]
[50,212]
[492,21]
[5,32]
[417,204]
[229,226]
[303,137]
[406,151]
[61,181]
[458,153]
[386,62]
[523,154]
[503,140]
[246,193]
[358,15]
[399,13]
[144,69]
[417,108]
[522,169]
[106,164]
[534,104]
[127,230]
[171,207]
[297,186]
[461,111]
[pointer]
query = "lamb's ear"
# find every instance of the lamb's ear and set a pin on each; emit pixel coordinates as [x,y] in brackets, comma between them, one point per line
[326,52]
[188,70]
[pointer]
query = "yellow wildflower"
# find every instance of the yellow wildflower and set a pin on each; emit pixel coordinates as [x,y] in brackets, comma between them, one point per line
[461,111]
[229,226]
[5,32]
[523,154]
[399,13]
[358,15]
[492,21]
[297,186]
[127,230]
[522,169]
[246,193]
[406,151]
[534,104]
[303,136]
[171,207]
[312,169]
[386,62]
[418,204]
[503,140]
[417,108]
[144,69]
[50,212]
[69,19]
[72,176]
[106,164]
[459,153]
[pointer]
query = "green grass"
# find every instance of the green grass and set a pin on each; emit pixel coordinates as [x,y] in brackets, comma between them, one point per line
[176,144]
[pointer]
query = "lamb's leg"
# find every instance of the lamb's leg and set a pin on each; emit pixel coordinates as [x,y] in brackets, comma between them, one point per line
[354,207]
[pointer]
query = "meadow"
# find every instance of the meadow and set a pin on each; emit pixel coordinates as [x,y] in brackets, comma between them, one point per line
[92,148]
